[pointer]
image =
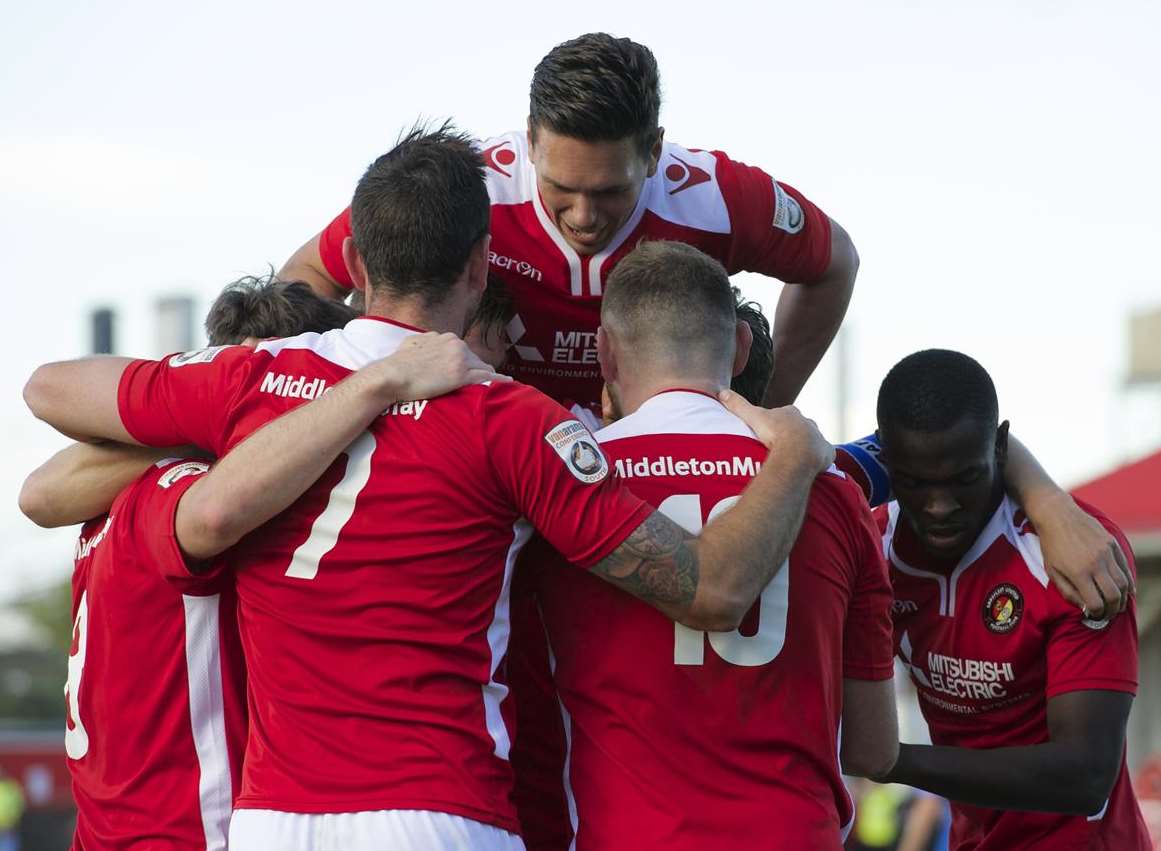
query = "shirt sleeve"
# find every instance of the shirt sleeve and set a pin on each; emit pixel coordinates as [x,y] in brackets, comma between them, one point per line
[861,460]
[1085,654]
[330,248]
[552,469]
[868,638]
[775,229]
[185,398]
[157,499]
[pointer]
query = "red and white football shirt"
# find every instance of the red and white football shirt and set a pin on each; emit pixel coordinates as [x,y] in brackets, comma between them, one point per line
[733,212]
[988,641]
[156,685]
[681,739]
[374,612]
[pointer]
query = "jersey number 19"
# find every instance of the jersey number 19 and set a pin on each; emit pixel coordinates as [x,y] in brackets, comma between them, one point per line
[762,647]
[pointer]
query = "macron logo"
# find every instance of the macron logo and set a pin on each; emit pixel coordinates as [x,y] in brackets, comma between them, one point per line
[520,267]
[293,386]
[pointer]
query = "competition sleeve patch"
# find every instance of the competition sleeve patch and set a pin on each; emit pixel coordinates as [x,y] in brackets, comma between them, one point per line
[578,450]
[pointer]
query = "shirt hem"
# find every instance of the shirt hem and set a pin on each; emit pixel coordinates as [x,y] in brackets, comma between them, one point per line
[869,673]
[1129,686]
[622,534]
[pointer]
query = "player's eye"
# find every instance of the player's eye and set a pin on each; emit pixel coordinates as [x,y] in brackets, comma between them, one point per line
[969,478]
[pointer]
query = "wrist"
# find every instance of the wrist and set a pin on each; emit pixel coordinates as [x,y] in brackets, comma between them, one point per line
[377,385]
[1044,504]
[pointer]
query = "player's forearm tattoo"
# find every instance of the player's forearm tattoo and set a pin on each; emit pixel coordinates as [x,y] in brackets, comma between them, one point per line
[656,563]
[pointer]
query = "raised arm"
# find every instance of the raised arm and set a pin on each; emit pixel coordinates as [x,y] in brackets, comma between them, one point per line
[808,317]
[710,582]
[1071,773]
[306,265]
[81,481]
[1084,560]
[273,467]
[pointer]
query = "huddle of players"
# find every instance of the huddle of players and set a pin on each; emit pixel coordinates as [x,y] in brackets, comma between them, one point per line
[376,487]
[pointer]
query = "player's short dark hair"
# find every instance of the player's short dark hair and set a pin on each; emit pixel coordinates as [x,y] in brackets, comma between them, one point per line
[669,298]
[935,389]
[419,210]
[262,306]
[598,88]
[752,381]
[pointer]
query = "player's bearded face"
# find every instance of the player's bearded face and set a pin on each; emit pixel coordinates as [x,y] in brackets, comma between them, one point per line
[948,483]
[589,189]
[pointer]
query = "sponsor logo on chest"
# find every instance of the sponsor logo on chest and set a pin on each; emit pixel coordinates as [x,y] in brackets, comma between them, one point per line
[975,679]
[578,347]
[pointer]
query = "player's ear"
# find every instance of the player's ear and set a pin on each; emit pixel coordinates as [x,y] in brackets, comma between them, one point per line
[354,263]
[605,355]
[655,152]
[478,264]
[1002,444]
[743,341]
[530,136]
[608,409]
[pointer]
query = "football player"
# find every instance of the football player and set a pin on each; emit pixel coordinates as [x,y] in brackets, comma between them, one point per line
[589,178]
[1026,697]
[721,739]
[156,718]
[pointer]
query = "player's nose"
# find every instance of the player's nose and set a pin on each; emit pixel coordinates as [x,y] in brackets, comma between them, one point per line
[940,505]
[584,213]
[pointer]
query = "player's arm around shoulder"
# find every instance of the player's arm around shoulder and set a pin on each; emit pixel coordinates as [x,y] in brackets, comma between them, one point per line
[1083,558]
[79,398]
[273,467]
[81,481]
[710,581]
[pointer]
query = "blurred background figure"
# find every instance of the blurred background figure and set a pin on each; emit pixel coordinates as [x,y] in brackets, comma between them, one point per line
[11,812]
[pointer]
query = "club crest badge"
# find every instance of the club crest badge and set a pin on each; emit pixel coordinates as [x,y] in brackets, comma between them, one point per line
[1003,608]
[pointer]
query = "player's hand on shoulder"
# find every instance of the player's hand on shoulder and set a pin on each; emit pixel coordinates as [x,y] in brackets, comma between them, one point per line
[785,430]
[430,365]
[1084,560]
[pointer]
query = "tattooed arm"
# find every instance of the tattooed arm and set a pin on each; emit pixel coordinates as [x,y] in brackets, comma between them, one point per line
[710,582]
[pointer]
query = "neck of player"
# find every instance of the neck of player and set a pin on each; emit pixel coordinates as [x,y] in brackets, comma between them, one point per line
[448,315]
[631,394]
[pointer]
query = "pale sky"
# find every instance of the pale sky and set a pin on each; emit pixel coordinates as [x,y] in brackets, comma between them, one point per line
[995,163]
